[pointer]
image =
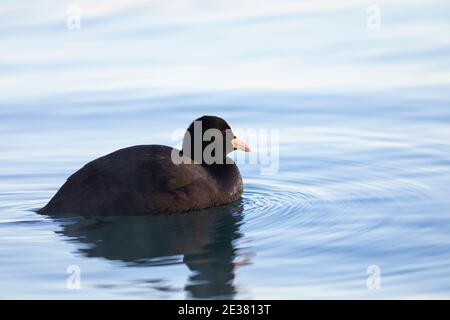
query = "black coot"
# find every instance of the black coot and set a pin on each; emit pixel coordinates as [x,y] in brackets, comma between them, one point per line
[150,179]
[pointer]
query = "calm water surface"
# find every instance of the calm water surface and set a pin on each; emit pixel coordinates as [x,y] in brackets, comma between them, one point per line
[364,155]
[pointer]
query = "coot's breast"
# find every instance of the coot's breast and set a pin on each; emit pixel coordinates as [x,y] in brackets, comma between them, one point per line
[144,180]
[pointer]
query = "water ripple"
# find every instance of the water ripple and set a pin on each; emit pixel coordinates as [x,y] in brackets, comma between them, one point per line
[337,208]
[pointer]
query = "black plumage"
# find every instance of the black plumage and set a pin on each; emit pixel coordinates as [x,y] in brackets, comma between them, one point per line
[144,180]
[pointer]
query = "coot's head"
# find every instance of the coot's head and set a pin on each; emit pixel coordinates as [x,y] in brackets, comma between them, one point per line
[209,139]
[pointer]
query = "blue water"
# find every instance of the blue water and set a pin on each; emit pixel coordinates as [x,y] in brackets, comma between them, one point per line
[364,154]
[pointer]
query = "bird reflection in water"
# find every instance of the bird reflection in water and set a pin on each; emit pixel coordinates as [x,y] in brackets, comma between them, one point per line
[206,239]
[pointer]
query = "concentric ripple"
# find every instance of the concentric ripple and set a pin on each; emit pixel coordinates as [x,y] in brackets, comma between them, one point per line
[269,206]
[321,221]
[344,199]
